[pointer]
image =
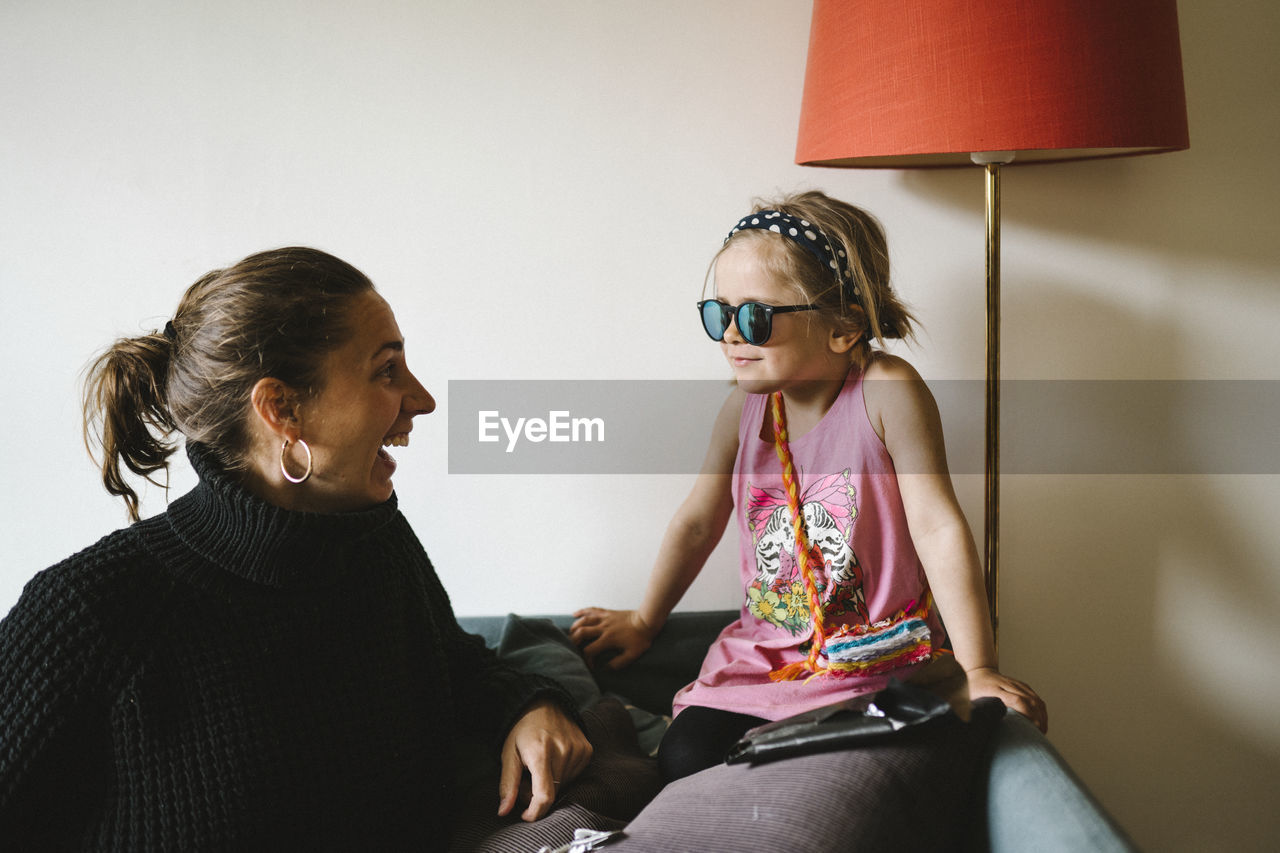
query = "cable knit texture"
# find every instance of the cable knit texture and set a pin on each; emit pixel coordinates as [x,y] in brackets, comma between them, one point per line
[233,676]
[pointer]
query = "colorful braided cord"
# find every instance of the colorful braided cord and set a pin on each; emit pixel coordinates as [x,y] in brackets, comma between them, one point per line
[805,552]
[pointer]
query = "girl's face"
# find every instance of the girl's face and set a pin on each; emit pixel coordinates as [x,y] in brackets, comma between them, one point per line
[800,349]
[369,400]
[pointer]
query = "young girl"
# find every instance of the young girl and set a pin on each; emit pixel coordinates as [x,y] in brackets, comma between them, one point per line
[853,543]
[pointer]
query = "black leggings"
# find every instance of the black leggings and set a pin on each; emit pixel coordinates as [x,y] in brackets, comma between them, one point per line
[699,738]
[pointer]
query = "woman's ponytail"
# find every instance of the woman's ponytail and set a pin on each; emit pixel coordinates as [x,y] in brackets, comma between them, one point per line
[277,313]
[126,414]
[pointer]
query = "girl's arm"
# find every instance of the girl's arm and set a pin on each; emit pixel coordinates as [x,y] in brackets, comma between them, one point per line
[905,416]
[691,536]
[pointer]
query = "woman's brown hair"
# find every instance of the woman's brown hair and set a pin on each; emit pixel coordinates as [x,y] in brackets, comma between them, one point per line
[274,314]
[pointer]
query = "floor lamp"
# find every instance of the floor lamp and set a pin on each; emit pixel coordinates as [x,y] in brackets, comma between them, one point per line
[941,83]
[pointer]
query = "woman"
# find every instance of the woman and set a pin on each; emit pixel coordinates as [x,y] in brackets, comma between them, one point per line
[272,662]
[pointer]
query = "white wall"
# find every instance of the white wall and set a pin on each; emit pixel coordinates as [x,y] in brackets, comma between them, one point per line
[585,158]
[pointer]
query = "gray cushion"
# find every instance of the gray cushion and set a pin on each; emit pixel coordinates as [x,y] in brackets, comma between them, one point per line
[538,646]
[532,644]
[914,791]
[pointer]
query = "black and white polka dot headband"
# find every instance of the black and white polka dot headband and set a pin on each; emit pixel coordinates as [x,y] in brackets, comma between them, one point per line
[809,237]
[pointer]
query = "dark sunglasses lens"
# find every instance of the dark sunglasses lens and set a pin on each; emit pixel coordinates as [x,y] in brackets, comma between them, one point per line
[754,322]
[715,319]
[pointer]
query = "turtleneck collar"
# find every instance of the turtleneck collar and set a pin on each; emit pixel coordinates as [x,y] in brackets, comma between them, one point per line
[242,534]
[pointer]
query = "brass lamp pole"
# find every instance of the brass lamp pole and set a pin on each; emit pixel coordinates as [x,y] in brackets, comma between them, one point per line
[992,161]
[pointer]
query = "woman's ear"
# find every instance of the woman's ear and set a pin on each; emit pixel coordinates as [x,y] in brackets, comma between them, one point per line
[276,406]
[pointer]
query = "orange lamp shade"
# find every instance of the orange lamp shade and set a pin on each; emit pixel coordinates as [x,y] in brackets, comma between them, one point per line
[894,83]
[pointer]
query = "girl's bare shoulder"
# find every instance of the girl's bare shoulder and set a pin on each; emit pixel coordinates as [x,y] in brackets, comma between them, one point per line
[895,394]
[882,365]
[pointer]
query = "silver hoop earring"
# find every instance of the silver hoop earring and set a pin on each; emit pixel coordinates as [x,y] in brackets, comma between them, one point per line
[284,448]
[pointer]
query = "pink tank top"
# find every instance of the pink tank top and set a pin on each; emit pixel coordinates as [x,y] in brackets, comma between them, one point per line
[875,596]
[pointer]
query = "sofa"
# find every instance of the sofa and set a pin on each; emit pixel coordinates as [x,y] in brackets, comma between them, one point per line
[1031,800]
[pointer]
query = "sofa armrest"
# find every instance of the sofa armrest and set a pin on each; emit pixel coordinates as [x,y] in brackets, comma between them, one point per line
[1036,802]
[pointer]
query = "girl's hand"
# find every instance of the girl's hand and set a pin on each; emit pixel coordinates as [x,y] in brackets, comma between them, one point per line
[987,681]
[598,630]
[552,748]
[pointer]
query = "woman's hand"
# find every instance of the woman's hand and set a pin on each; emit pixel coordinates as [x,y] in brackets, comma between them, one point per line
[987,681]
[552,748]
[598,630]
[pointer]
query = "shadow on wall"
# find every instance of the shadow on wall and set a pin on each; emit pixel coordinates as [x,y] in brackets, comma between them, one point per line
[1215,200]
[1158,708]
[1142,605]
[1139,578]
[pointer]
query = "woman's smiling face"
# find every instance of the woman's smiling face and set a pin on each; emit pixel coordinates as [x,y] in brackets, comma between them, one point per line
[368,402]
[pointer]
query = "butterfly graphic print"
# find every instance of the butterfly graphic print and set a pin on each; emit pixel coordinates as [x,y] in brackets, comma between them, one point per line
[777,594]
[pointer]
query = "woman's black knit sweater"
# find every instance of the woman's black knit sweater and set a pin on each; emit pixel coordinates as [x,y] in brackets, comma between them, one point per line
[230,675]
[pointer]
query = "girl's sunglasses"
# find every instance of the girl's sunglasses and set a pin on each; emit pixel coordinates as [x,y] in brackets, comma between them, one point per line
[754,319]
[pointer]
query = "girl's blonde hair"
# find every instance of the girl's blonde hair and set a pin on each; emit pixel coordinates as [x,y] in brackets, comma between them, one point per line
[875,311]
